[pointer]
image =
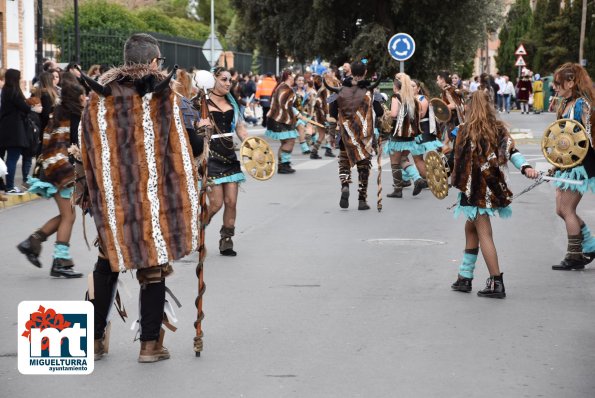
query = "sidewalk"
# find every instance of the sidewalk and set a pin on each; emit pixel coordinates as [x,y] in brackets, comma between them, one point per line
[14,200]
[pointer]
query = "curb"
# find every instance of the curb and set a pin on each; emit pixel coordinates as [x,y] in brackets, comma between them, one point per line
[14,200]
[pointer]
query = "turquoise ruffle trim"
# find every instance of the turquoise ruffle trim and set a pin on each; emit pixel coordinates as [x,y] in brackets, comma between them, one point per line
[237,177]
[281,135]
[391,146]
[300,122]
[576,173]
[432,146]
[47,190]
[471,212]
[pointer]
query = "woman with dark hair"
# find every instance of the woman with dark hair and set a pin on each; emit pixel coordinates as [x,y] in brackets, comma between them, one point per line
[482,151]
[282,119]
[13,135]
[58,183]
[575,89]
[49,97]
[224,170]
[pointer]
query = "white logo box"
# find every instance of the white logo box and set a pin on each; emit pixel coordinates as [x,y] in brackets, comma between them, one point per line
[74,356]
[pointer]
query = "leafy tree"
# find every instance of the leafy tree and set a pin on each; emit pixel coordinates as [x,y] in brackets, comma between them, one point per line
[537,34]
[518,24]
[97,45]
[157,21]
[223,14]
[343,30]
[561,45]
[191,29]
[589,49]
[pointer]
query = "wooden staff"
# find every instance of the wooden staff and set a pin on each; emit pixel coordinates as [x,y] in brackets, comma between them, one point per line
[204,218]
[379,180]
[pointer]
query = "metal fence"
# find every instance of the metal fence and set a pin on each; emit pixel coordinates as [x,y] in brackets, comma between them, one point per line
[102,46]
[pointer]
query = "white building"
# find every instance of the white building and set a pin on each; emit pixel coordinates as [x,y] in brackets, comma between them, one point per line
[17,36]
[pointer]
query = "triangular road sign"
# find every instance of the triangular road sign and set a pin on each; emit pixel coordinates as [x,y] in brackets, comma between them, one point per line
[520,50]
[520,61]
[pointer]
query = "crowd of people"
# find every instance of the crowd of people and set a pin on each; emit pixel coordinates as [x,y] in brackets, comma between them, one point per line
[104,147]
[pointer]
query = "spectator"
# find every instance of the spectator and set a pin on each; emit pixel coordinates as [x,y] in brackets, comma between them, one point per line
[56,79]
[263,95]
[525,90]
[474,85]
[94,71]
[74,68]
[537,94]
[508,92]
[499,80]
[13,135]
[456,81]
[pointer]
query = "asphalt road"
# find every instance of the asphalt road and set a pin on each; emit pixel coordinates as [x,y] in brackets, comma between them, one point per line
[325,302]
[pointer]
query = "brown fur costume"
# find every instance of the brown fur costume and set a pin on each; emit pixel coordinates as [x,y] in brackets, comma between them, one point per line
[139,169]
[480,176]
[356,122]
[281,107]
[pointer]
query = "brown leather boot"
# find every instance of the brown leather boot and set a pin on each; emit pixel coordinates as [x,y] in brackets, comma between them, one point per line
[225,243]
[101,346]
[153,351]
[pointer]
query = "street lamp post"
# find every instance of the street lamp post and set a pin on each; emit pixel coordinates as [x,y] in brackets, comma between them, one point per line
[581,47]
[39,50]
[213,63]
[77,38]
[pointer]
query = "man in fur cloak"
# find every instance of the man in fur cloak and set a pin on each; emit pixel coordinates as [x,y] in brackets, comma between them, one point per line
[142,184]
[355,109]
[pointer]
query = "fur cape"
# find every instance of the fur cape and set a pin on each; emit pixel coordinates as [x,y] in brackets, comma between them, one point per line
[138,164]
[282,105]
[356,121]
[54,157]
[481,176]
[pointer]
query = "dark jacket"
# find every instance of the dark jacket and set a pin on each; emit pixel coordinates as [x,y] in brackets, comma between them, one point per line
[12,114]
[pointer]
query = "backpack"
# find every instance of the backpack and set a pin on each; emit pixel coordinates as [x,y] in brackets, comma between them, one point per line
[32,134]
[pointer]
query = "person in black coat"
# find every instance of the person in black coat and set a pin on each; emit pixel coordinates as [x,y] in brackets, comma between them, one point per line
[13,137]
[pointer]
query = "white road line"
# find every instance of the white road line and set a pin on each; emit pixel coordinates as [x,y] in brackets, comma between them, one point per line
[313,164]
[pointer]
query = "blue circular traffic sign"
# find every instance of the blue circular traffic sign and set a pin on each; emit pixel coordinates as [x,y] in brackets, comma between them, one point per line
[401,46]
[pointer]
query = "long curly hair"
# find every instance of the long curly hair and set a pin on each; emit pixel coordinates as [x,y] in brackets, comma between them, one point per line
[583,85]
[482,126]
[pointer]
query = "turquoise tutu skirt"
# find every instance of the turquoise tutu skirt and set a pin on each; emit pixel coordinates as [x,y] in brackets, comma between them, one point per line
[47,190]
[471,212]
[576,173]
[237,177]
[281,135]
[391,147]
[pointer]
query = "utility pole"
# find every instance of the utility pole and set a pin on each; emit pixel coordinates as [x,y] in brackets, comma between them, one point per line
[581,46]
[213,61]
[487,51]
[39,50]
[277,62]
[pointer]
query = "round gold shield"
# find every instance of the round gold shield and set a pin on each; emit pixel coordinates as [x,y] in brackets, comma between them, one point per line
[257,157]
[565,143]
[437,174]
[441,111]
